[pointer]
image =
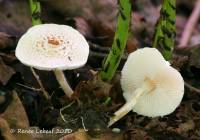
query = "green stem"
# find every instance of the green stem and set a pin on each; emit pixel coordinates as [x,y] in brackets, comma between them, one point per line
[113,59]
[35,12]
[165,29]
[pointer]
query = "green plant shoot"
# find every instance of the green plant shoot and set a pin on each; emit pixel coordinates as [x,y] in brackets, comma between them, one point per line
[35,12]
[165,29]
[113,59]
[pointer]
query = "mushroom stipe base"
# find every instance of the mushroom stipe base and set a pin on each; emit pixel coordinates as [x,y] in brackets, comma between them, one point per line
[145,88]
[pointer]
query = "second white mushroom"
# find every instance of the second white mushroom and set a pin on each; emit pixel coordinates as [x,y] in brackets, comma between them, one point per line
[151,87]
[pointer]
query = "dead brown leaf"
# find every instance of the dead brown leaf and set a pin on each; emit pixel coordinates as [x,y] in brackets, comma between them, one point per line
[185,127]
[6,40]
[103,33]
[132,45]
[82,26]
[16,117]
[96,86]
[8,57]
[194,58]
[44,136]
[5,130]
[137,134]
[14,17]
[79,135]
[82,135]
[104,10]
[6,72]
[100,87]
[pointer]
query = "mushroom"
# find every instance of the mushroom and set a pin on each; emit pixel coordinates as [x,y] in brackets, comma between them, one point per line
[151,87]
[53,47]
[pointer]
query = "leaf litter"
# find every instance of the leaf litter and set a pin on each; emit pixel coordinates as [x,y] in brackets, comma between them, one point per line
[87,110]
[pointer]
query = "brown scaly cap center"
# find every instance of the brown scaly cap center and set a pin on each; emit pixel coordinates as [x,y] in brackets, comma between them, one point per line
[53,41]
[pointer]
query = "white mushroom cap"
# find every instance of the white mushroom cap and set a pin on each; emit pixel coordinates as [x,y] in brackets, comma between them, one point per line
[51,47]
[148,65]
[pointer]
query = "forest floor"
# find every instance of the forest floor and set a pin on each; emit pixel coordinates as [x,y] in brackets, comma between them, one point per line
[22,105]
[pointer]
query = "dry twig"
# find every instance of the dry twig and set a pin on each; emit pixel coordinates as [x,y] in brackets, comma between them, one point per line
[40,84]
[192,88]
[190,25]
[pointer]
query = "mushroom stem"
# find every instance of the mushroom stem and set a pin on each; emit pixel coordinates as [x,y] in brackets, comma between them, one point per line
[63,82]
[146,87]
[125,108]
